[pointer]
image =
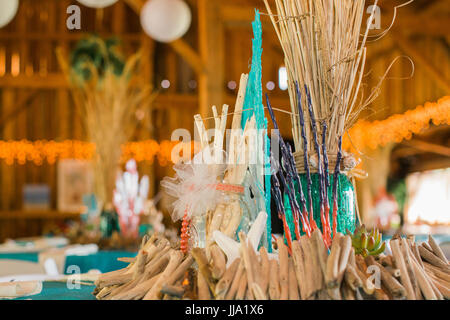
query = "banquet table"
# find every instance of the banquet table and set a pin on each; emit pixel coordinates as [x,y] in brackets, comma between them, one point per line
[104,260]
[54,290]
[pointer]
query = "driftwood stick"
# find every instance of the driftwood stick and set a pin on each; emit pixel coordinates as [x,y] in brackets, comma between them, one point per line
[394,272]
[346,246]
[256,289]
[203,288]
[440,273]
[361,270]
[180,270]
[386,261]
[432,258]
[400,264]
[240,294]
[247,263]
[443,287]
[117,280]
[105,292]
[265,269]
[202,262]
[140,264]
[175,259]
[423,282]
[321,250]
[308,269]
[427,246]
[436,249]
[404,246]
[415,251]
[224,284]
[312,257]
[139,291]
[218,262]
[352,278]
[236,281]
[157,265]
[274,283]
[104,279]
[347,293]
[331,276]
[299,268]
[284,269]
[156,249]
[394,287]
[173,291]
[293,285]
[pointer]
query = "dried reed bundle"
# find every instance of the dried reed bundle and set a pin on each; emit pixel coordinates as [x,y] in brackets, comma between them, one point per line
[324,52]
[107,103]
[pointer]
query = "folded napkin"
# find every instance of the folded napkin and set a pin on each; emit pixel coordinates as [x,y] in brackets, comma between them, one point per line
[18,289]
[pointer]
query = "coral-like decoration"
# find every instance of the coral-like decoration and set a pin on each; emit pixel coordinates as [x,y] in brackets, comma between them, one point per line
[184,243]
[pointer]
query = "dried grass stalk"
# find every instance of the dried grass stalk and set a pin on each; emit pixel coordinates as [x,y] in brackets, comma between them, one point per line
[324,50]
[107,106]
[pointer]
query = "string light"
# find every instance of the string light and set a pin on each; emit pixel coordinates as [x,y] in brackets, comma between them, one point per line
[41,151]
[398,127]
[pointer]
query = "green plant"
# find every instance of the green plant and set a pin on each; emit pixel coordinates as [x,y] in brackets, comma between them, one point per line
[367,243]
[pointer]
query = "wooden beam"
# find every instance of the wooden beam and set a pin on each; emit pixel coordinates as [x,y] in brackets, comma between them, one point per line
[432,164]
[211,46]
[19,107]
[35,81]
[189,55]
[180,46]
[417,56]
[429,147]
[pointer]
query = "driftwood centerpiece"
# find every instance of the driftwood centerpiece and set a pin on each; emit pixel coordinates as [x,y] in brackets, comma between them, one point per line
[160,271]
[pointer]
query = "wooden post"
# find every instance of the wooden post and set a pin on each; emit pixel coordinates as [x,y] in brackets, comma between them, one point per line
[211,47]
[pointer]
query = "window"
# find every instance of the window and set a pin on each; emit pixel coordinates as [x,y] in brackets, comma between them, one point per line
[428,197]
[282,78]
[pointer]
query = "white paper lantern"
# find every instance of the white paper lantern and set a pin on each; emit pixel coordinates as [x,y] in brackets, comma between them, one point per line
[8,10]
[165,20]
[97,3]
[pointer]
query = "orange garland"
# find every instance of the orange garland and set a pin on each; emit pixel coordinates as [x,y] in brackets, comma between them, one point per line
[397,127]
[51,151]
[371,134]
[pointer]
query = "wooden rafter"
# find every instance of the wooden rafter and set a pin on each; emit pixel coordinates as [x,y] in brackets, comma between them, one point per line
[21,105]
[180,46]
[428,147]
[408,47]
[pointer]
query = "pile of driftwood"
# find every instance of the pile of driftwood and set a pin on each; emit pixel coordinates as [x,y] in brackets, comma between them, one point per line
[310,271]
[157,272]
[412,272]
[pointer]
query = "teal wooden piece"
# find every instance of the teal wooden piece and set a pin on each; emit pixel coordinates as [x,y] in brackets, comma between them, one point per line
[253,106]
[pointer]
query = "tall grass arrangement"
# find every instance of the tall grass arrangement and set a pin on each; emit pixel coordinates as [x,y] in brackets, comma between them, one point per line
[324,48]
[107,95]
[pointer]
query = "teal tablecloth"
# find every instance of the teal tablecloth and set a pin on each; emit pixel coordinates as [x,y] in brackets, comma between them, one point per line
[58,291]
[25,256]
[105,261]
